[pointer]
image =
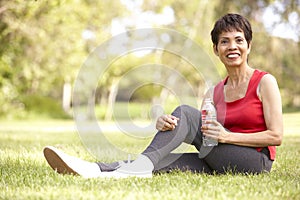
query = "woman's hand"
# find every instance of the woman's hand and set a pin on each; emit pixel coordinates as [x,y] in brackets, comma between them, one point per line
[214,130]
[166,123]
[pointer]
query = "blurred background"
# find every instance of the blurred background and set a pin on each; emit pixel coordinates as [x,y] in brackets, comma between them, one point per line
[43,45]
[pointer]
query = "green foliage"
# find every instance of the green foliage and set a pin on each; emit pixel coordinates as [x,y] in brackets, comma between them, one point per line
[42,44]
[38,106]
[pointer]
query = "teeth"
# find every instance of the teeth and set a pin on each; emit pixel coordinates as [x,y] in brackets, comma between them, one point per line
[232,55]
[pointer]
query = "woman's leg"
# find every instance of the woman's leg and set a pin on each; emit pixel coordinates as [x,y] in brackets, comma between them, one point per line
[163,143]
[158,152]
[183,162]
[223,158]
[187,130]
[238,159]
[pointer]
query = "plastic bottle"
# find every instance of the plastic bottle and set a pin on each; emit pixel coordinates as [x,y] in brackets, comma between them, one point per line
[208,112]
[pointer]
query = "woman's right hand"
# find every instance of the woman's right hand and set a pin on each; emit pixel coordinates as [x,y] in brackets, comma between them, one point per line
[166,123]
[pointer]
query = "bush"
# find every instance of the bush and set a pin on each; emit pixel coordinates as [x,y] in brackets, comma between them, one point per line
[41,106]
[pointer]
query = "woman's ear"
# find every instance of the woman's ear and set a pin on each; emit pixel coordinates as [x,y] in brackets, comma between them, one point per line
[216,50]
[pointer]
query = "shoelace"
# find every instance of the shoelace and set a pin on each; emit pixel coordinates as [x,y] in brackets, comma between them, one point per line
[122,163]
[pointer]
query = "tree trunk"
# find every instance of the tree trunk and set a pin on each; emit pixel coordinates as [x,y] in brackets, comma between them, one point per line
[67,91]
[113,91]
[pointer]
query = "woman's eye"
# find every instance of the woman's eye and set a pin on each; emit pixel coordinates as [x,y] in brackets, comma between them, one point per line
[239,41]
[223,41]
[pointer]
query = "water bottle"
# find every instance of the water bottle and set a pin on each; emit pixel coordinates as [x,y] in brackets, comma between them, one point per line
[208,112]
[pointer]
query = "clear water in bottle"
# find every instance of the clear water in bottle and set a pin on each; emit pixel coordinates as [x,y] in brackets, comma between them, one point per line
[208,112]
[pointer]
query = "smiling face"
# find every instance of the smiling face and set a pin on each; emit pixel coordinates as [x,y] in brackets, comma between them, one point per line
[232,48]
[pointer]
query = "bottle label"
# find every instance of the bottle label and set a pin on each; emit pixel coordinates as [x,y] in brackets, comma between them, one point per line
[203,116]
[207,115]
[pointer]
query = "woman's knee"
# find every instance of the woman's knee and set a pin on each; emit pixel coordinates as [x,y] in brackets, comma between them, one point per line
[188,112]
[186,109]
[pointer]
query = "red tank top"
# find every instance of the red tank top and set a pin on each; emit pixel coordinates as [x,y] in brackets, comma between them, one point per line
[244,115]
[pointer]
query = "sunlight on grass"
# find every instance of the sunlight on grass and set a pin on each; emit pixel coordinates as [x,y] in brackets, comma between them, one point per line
[26,175]
[291,124]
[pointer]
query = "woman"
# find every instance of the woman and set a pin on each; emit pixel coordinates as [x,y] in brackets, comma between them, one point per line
[248,127]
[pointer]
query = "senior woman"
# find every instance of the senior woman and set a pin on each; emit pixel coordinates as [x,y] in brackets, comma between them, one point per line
[248,126]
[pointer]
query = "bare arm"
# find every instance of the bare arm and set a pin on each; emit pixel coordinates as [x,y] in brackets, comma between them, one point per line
[272,108]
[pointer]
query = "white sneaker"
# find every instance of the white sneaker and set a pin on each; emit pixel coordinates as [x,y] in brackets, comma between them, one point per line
[141,168]
[65,164]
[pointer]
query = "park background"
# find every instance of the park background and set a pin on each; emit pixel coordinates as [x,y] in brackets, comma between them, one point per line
[43,45]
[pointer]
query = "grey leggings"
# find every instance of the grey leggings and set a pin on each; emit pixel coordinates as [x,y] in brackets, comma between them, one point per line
[220,159]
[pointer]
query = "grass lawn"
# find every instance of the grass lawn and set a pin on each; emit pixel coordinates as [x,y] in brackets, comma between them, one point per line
[26,175]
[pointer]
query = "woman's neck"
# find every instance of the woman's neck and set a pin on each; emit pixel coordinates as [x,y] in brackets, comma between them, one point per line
[239,76]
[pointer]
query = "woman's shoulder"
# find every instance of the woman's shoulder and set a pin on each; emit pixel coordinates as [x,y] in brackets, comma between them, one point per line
[268,83]
[268,79]
[265,76]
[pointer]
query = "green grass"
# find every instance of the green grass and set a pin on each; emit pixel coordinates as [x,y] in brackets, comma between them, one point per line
[25,174]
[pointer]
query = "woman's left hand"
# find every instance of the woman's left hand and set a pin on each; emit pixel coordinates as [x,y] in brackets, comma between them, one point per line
[213,129]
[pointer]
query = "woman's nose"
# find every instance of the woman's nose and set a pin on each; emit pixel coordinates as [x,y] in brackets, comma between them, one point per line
[232,45]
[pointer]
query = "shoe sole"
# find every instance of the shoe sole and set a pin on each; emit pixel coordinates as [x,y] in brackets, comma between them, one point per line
[56,162]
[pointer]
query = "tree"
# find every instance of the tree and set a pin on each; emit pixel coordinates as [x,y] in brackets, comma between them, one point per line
[44,43]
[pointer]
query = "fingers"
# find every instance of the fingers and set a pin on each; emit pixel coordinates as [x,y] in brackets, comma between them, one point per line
[170,119]
[160,124]
[211,122]
[166,122]
[212,129]
[167,127]
[215,132]
[210,126]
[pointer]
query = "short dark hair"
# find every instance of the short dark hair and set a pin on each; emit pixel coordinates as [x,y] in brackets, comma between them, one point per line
[231,22]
